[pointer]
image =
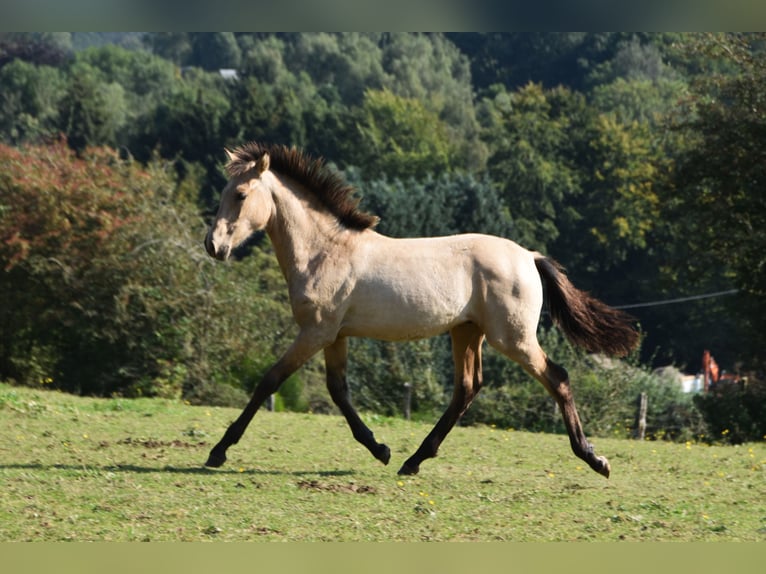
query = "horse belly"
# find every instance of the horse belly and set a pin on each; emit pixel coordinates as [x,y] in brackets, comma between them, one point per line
[407,310]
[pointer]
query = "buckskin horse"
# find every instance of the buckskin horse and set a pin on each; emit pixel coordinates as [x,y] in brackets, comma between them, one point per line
[346,280]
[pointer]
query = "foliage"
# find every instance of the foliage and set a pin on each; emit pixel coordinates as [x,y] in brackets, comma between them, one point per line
[39,48]
[146,79]
[189,120]
[443,205]
[92,110]
[172,46]
[341,63]
[399,138]
[619,205]
[720,179]
[215,50]
[29,101]
[735,412]
[379,371]
[107,289]
[528,133]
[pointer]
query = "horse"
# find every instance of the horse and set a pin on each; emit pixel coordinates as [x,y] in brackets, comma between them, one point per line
[345,279]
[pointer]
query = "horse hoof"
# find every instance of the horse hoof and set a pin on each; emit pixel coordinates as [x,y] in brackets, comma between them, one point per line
[383,454]
[215,460]
[605,468]
[408,469]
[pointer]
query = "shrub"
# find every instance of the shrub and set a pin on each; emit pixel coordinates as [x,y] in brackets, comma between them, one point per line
[735,412]
[378,371]
[107,289]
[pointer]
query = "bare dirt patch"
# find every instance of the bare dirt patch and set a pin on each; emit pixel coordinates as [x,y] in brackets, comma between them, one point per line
[153,443]
[329,487]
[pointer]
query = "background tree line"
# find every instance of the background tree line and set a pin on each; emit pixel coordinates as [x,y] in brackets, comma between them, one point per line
[635,159]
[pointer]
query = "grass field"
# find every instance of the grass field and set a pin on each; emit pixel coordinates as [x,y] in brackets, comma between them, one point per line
[130,470]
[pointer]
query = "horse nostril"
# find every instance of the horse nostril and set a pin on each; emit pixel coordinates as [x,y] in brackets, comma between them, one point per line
[209,245]
[222,253]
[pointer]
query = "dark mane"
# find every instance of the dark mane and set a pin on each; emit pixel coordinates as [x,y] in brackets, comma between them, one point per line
[335,193]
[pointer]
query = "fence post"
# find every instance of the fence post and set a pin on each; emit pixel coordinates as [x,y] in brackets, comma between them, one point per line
[642,406]
[407,400]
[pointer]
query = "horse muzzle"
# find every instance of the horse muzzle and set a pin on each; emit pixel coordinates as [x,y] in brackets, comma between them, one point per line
[221,252]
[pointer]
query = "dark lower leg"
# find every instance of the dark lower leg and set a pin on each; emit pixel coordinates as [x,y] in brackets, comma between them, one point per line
[430,445]
[336,356]
[361,432]
[579,443]
[235,431]
[299,352]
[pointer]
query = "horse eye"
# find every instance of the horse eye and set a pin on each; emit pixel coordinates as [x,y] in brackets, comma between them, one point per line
[240,196]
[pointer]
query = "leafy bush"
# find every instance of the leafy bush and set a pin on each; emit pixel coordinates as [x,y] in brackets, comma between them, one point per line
[378,371]
[290,396]
[107,289]
[735,412]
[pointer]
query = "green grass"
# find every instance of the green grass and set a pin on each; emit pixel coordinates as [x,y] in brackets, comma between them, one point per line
[113,469]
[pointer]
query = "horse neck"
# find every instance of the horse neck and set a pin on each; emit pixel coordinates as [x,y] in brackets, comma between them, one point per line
[300,227]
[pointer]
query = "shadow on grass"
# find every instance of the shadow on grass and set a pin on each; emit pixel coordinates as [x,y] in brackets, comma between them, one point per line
[170,469]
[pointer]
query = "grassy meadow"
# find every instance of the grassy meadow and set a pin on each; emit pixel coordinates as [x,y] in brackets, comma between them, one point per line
[85,469]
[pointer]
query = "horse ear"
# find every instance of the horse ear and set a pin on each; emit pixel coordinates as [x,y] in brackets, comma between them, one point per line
[263,163]
[229,154]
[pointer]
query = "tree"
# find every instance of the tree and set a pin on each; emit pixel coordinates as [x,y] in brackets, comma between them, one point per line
[173,46]
[214,50]
[398,137]
[264,58]
[92,112]
[327,79]
[639,100]
[529,133]
[350,63]
[190,125]
[719,187]
[29,101]
[448,204]
[147,79]
[430,69]
[636,57]
[515,59]
[619,203]
[41,48]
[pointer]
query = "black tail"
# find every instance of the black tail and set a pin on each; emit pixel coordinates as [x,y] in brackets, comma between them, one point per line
[586,321]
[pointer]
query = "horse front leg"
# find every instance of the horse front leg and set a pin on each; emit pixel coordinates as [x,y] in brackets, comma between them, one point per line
[302,349]
[336,360]
[466,354]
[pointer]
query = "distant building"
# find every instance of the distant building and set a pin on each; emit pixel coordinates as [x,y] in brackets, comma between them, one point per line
[692,383]
[225,73]
[688,383]
[228,74]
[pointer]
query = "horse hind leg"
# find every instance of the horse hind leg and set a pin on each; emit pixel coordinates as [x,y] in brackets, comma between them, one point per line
[557,384]
[336,359]
[555,379]
[466,352]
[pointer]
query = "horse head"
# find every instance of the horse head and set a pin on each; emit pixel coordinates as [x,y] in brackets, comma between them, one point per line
[246,204]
